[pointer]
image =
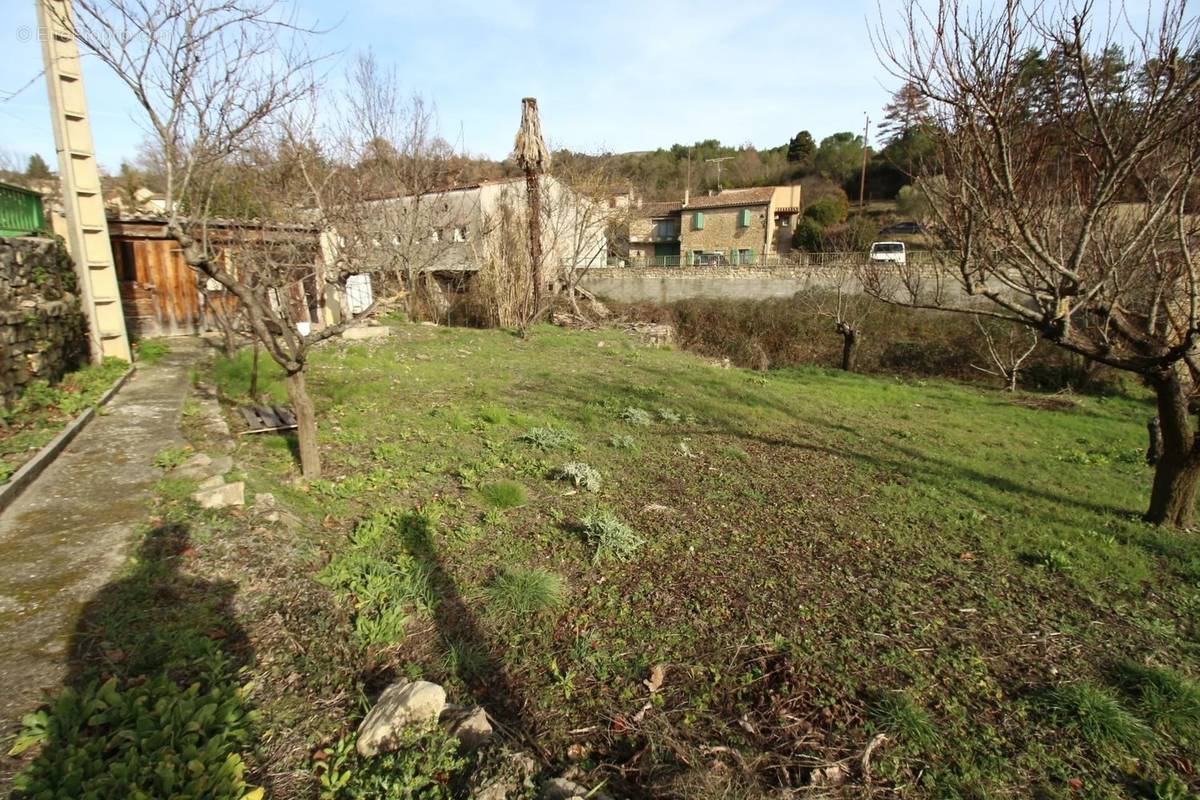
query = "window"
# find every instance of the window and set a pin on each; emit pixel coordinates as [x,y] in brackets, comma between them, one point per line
[665,229]
[745,256]
[744,218]
[697,256]
[460,234]
[698,221]
[435,235]
[785,222]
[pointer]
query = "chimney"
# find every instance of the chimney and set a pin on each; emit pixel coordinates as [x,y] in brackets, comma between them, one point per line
[686,193]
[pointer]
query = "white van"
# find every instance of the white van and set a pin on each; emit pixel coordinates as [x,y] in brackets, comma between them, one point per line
[888,251]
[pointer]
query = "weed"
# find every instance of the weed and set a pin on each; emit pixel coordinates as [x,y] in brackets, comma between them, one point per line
[518,592]
[494,415]
[736,453]
[635,416]
[622,441]
[583,476]
[900,715]
[548,438]
[171,458]
[151,351]
[611,538]
[1098,718]
[420,765]
[670,415]
[503,494]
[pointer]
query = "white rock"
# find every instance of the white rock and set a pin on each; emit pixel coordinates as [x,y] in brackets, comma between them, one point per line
[211,483]
[402,704]
[264,500]
[367,332]
[197,461]
[566,789]
[223,496]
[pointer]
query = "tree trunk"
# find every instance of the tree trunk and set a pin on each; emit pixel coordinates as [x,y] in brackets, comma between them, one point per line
[254,373]
[1177,473]
[534,192]
[849,349]
[306,425]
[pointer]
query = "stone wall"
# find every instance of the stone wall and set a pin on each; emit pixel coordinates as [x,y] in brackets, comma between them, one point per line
[43,332]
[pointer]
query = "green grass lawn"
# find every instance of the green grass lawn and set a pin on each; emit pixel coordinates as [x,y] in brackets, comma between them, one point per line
[700,582]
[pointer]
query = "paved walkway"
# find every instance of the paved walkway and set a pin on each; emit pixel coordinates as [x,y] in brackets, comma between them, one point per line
[67,535]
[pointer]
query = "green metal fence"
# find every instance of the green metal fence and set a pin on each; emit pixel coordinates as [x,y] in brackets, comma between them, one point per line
[21,211]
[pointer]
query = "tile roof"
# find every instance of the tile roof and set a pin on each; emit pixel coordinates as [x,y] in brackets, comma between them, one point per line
[657,209]
[756,196]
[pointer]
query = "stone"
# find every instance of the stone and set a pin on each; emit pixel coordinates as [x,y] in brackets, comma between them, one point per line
[367,332]
[211,483]
[469,725]
[567,789]
[401,705]
[264,500]
[197,461]
[501,773]
[223,496]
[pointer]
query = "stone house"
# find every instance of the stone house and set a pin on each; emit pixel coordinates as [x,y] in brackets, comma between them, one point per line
[733,226]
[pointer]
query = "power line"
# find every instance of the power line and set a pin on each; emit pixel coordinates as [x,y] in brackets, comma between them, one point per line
[28,83]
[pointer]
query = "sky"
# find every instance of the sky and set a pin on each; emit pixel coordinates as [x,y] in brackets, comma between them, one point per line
[615,75]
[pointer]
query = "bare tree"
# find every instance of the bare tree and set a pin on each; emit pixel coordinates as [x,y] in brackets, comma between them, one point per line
[210,77]
[837,296]
[579,217]
[1067,197]
[1005,349]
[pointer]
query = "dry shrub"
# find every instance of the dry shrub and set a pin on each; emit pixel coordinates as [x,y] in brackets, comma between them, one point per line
[499,296]
[784,332]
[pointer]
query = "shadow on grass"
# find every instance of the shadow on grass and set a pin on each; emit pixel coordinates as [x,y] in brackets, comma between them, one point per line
[152,703]
[460,634]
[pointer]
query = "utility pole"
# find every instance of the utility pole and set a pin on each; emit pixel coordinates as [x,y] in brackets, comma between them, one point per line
[862,180]
[718,161]
[87,226]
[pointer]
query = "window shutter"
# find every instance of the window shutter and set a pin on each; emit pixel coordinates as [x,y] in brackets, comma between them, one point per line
[745,218]
[698,220]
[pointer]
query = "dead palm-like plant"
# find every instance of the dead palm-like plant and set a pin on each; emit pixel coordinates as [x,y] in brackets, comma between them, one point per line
[533,157]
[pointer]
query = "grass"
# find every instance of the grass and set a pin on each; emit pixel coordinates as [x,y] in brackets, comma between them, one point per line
[151,351]
[44,409]
[832,556]
[518,592]
[504,494]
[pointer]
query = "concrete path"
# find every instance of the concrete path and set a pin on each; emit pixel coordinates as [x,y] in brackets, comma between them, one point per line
[68,534]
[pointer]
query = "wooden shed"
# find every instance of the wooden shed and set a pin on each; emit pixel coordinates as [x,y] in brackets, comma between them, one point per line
[163,296]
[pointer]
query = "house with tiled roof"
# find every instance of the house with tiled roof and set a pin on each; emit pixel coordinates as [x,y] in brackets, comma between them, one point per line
[731,227]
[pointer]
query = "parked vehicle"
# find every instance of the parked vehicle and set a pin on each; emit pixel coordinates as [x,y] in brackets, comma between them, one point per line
[889,251]
[902,228]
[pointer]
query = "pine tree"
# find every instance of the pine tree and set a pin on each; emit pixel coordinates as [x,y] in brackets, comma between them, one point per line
[908,110]
[38,168]
[801,147]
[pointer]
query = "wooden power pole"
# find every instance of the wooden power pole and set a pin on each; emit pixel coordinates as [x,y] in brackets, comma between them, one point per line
[87,226]
[862,179]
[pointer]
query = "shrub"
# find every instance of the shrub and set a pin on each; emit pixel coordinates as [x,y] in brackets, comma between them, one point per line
[157,739]
[622,441]
[809,236]
[829,210]
[520,592]
[583,476]
[611,538]
[503,494]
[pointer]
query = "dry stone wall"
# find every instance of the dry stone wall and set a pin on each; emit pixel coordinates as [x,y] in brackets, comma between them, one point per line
[43,332]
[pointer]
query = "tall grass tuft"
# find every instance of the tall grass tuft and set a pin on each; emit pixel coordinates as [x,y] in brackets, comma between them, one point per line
[503,494]
[517,592]
[1164,698]
[1098,718]
[899,714]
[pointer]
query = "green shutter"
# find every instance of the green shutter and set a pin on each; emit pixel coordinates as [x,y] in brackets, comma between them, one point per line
[745,218]
[698,220]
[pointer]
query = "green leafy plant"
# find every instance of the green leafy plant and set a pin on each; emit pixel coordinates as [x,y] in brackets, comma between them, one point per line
[503,494]
[421,767]
[611,538]
[583,476]
[622,441]
[151,351]
[670,415]
[518,592]
[171,457]
[899,714]
[157,739]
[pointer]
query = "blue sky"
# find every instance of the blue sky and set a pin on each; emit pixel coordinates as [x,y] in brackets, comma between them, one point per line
[621,75]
